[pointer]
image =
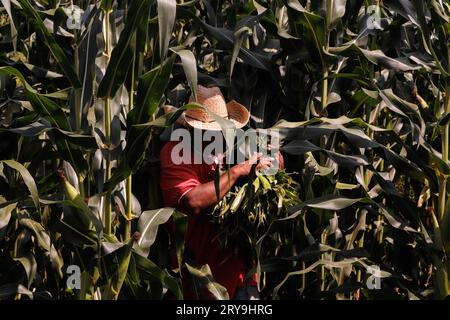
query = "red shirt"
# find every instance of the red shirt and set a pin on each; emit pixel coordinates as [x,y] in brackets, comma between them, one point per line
[201,235]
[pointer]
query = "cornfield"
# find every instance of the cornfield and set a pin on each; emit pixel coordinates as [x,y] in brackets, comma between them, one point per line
[358,89]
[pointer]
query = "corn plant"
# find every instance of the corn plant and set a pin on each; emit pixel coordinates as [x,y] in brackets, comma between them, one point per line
[358,89]
[76,117]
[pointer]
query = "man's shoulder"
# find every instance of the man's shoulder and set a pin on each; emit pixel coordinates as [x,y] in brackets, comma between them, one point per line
[165,155]
[167,149]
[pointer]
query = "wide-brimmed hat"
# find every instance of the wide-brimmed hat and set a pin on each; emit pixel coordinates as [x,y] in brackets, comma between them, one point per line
[213,100]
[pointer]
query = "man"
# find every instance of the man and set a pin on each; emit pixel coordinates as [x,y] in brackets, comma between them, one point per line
[191,188]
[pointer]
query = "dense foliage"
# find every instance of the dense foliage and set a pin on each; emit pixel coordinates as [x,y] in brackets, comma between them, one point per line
[247,212]
[359,89]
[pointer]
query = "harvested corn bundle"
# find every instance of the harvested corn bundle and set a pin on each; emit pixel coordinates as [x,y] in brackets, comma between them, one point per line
[246,213]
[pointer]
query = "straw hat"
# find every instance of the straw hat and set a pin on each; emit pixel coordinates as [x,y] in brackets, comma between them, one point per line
[213,100]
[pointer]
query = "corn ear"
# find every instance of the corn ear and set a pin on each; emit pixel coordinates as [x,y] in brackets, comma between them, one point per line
[264,182]
[72,193]
[238,200]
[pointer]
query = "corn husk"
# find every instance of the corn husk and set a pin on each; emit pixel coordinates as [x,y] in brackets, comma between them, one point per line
[245,213]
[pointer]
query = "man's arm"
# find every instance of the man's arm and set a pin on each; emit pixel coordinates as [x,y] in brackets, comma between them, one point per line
[204,195]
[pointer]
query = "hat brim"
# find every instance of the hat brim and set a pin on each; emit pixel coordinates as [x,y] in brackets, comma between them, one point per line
[237,113]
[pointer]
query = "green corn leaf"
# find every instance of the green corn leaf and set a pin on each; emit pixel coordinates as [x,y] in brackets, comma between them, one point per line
[148,224]
[65,64]
[180,221]
[205,279]
[119,63]
[190,69]
[166,19]
[44,242]
[150,271]
[27,178]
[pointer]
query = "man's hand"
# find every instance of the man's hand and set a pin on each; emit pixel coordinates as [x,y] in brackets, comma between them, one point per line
[244,169]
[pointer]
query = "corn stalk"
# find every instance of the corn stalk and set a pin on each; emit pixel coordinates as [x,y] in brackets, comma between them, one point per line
[445,146]
[107,125]
[128,186]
